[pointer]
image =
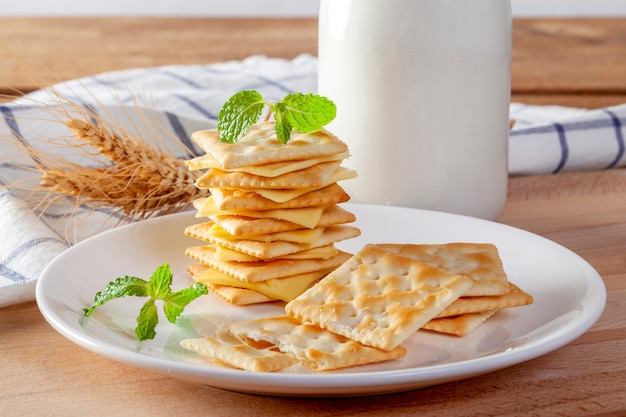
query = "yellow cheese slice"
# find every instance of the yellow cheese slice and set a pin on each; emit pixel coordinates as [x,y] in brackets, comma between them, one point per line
[283,195]
[324,252]
[298,236]
[285,289]
[308,216]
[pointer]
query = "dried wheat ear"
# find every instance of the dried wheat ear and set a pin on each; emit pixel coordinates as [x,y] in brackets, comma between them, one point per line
[141,181]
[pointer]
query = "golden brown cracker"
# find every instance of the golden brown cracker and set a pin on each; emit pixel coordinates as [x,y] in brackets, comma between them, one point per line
[239,296]
[460,325]
[228,350]
[516,297]
[274,250]
[260,146]
[479,261]
[207,231]
[378,298]
[240,225]
[267,170]
[263,270]
[315,348]
[234,200]
[323,252]
[312,177]
[305,216]
[284,288]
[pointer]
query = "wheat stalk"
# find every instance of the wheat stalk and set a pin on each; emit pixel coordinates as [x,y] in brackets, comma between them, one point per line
[141,181]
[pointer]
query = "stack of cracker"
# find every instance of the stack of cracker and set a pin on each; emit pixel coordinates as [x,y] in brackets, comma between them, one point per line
[364,310]
[273,213]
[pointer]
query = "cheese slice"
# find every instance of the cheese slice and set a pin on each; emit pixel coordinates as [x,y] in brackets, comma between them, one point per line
[285,289]
[284,195]
[267,170]
[308,216]
[298,236]
[324,252]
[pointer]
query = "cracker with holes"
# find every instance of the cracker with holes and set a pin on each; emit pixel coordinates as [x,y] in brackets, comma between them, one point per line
[315,348]
[273,210]
[378,298]
[259,146]
[478,261]
[227,350]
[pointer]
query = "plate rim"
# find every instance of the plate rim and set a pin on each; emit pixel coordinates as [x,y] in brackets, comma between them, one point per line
[368,382]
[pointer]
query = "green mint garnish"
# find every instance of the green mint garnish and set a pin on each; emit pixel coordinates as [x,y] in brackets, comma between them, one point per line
[239,113]
[305,113]
[157,288]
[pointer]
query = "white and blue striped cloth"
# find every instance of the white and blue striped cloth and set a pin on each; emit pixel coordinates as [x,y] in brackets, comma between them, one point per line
[182,99]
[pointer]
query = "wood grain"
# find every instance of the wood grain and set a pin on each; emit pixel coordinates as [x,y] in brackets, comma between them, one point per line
[63,48]
[575,62]
[569,62]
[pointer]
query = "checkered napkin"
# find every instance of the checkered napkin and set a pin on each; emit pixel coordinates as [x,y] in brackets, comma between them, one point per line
[188,98]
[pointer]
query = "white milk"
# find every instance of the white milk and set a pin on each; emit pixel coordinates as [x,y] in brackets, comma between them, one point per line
[422,89]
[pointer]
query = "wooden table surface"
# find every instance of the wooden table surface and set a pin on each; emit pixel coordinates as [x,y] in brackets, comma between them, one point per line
[568,62]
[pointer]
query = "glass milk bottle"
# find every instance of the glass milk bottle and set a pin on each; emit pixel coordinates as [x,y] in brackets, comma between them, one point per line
[422,89]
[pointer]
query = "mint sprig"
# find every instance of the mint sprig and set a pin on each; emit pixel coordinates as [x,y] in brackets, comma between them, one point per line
[157,288]
[305,113]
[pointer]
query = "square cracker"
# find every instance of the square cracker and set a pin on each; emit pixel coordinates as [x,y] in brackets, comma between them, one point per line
[315,348]
[260,146]
[305,216]
[460,325]
[378,298]
[241,225]
[479,261]
[323,252]
[239,296]
[207,231]
[263,270]
[227,350]
[314,176]
[234,200]
[516,297]
[277,249]
[268,170]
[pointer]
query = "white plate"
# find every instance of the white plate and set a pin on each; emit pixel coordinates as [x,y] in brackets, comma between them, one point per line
[569,297]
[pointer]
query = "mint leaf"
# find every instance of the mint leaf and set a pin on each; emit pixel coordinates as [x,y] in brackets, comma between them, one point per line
[307,112]
[240,112]
[157,288]
[121,287]
[160,282]
[147,321]
[283,126]
[175,303]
